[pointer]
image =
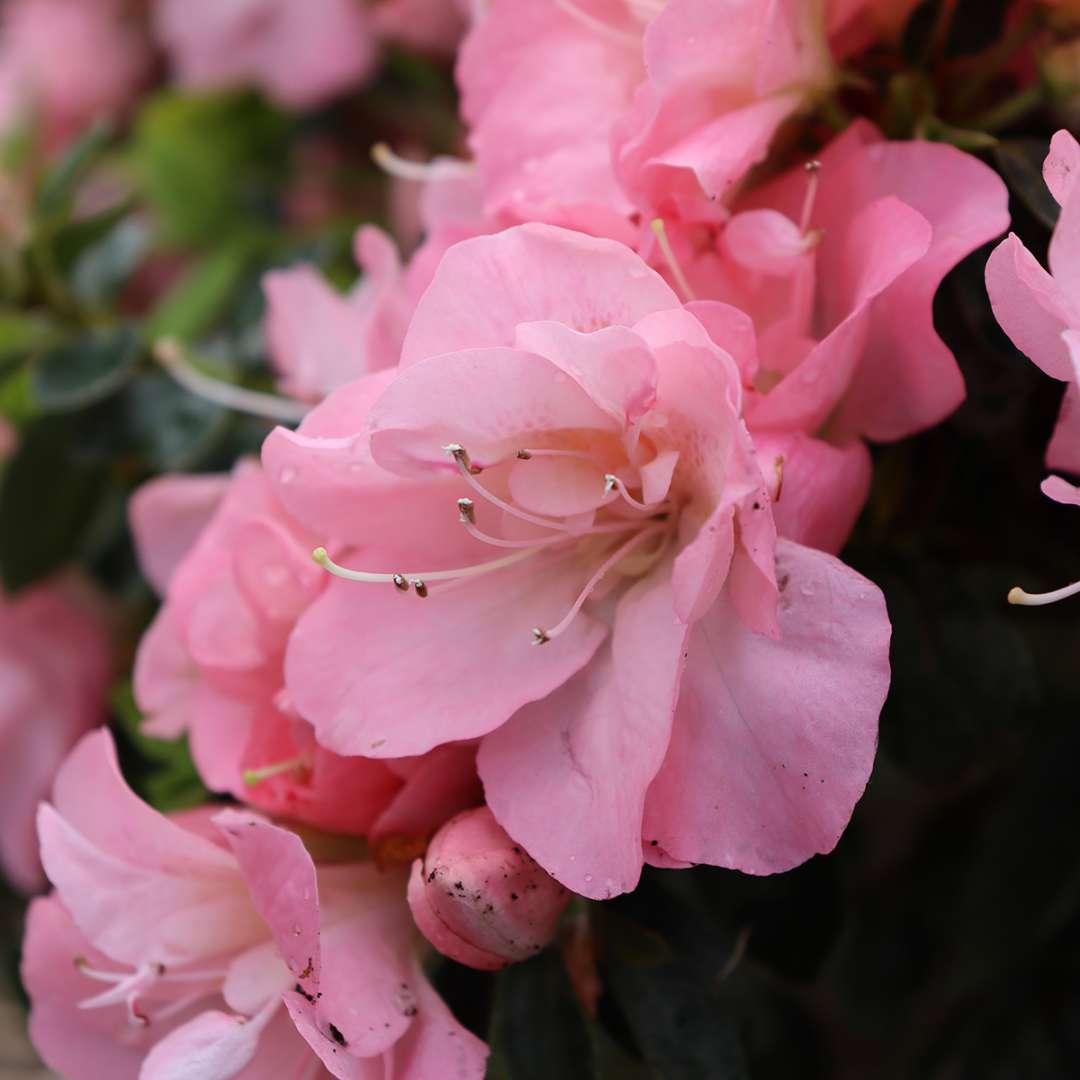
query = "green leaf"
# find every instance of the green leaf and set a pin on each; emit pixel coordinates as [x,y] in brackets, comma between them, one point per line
[680,1022]
[208,163]
[58,188]
[22,333]
[538,1030]
[1021,160]
[85,370]
[168,427]
[48,494]
[166,777]
[201,297]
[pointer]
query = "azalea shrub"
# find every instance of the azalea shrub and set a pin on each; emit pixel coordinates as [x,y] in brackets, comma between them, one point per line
[536,539]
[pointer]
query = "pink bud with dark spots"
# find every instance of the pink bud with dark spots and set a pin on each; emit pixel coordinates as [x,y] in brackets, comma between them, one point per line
[479,898]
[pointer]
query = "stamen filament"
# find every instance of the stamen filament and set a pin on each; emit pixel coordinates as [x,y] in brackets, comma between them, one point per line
[813,171]
[420,172]
[461,459]
[660,232]
[1026,599]
[268,772]
[171,356]
[613,483]
[594,23]
[323,559]
[541,636]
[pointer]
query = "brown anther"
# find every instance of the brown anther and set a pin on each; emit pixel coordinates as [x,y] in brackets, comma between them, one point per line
[779,477]
[524,455]
[539,636]
[400,583]
[467,511]
[420,587]
[813,166]
[611,482]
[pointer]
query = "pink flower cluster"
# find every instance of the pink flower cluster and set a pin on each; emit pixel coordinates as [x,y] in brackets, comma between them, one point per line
[1040,311]
[575,480]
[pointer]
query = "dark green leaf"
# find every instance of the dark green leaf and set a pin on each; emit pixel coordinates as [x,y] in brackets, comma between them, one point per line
[208,162]
[538,1030]
[1021,162]
[168,427]
[48,494]
[59,186]
[200,298]
[88,369]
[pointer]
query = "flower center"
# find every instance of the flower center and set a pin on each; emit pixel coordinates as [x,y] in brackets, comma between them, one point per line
[624,532]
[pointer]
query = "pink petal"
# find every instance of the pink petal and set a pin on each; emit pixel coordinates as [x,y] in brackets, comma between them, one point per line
[280,876]
[1062,166]
[213,1046]
[485,287]
[822,488]
[908,379]
[167,515]
[773,741]
[566,777]
[612,364]
[1031,307]
[398,675]
[91,1044]
[1054,487]
[731,329]
[492,401]
[140,887]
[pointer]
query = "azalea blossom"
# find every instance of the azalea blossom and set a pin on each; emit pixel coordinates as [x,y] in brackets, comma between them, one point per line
[550,532]
[68,61]
[837,262]
[1040,309]
[480,898]
[236,574]
[54,674]
[212,946]
[301,55]
[633,105]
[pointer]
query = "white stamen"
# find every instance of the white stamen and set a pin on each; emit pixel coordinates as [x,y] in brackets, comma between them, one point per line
[621,37]
[660,232]
[420,172]
[461,459]
[323,559]
[813,172]
[170,355]
[1026,599]
[541,636]
[612,484]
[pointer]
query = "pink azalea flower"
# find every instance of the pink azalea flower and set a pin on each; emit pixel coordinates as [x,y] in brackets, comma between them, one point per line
[633,105]
[479,898]
[211,666]
[300,55]
[319,339]
[838,267]
[650,672]
[71,61]
[214,947]
[1040,310]
[54,673]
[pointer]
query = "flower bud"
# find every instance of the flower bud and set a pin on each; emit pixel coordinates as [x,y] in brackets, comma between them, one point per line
[479,898]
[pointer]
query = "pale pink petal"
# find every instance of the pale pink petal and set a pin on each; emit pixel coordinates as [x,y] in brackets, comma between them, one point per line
[773,741]
[492,401]
[731,329]
[213,1046]
[167,515]
[1063,450]
[469,662]
[1061,169]
[818,489]
[280,876]
[485,287]
[566,777]
[1054,487]
[1031,307]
